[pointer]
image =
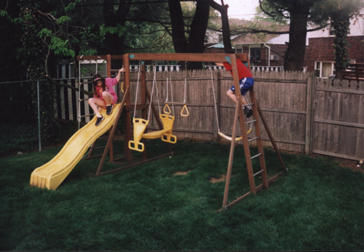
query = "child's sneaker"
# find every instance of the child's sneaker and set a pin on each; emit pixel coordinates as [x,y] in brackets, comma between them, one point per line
[249,113]
[246,110]
[109,109]
[99,120]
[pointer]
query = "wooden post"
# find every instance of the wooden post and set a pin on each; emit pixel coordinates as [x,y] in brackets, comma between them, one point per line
[112,132]
[108,72]
[108,65]
[128,129]
[231,158]
[218,101]
[308,139]
[144,102]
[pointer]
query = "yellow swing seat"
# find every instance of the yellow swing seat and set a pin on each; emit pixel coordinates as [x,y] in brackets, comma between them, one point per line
[166,133]
[230,138]
[139,128]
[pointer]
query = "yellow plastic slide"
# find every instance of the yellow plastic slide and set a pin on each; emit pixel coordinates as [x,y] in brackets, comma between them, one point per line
[52,174]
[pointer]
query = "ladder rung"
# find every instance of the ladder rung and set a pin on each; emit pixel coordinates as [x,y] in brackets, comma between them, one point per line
[259,154]
[249,104]
[86,115]
[250,122]
[103,137]
[84,83]
[252,139]
[259,172]
[99,147]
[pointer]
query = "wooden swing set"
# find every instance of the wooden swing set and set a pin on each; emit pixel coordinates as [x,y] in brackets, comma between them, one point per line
[165,121]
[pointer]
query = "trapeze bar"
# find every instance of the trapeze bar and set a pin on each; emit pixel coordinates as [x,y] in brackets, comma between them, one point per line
[259,154]
[176,103]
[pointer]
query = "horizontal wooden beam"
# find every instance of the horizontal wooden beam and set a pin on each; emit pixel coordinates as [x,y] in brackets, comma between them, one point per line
[336,155]
[340,123]
[342,91]
[97,57]
[93,57]
[198,57]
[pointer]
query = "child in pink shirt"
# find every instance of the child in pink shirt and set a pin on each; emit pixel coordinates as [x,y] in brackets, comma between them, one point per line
[104,94]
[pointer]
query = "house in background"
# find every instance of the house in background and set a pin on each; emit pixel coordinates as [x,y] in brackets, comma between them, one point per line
[269,51]
[255,45]
[319,55]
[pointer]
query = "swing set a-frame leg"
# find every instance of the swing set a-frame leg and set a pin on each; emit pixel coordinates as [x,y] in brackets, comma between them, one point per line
[112,133]
[248,158]
[253,189]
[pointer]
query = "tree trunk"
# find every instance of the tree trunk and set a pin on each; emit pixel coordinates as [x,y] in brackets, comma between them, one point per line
[198,31]
[223,9]
[114,43]
[293,59]
[178,27]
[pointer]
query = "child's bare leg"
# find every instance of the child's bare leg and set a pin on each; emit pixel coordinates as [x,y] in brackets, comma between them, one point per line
[232,96]
[107,98]
[109,101]
[94,102]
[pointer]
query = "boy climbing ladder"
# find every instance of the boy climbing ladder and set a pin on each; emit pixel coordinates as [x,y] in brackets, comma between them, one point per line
[246,82]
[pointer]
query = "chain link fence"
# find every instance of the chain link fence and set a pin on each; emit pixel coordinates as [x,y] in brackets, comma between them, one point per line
[41,112]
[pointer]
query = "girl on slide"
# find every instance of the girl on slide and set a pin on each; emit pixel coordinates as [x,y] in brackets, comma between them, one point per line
[104,94]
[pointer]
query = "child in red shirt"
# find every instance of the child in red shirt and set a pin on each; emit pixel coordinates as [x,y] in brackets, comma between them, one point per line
[246,82]
[104,94]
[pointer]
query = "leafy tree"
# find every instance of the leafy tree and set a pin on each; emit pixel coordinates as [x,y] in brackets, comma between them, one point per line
[147,29]
[11,31]
[300,13]
[115,17]
[225,23]
[196,31]
[339,13]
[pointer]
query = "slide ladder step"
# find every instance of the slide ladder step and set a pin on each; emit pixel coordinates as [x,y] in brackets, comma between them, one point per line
[259,172]
[259,154]
[252,139]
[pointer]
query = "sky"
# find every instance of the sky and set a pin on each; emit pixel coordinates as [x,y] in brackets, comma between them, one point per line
[242,9]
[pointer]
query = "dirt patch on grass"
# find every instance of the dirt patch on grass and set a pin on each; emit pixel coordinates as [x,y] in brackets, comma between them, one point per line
[352,165]
[217,180]
[180,173]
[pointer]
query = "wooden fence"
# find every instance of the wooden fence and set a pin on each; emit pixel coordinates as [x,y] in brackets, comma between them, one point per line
[305,114]
[338,119]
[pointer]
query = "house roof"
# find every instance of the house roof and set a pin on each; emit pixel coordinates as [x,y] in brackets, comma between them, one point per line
[259,38]
[220,45]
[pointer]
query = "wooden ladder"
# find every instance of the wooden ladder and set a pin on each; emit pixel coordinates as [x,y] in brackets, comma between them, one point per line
[258,138]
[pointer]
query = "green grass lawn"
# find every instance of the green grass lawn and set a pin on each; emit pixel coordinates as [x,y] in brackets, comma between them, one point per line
[317,205]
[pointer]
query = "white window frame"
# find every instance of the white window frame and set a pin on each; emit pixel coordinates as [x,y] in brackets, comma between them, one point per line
[320,67]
